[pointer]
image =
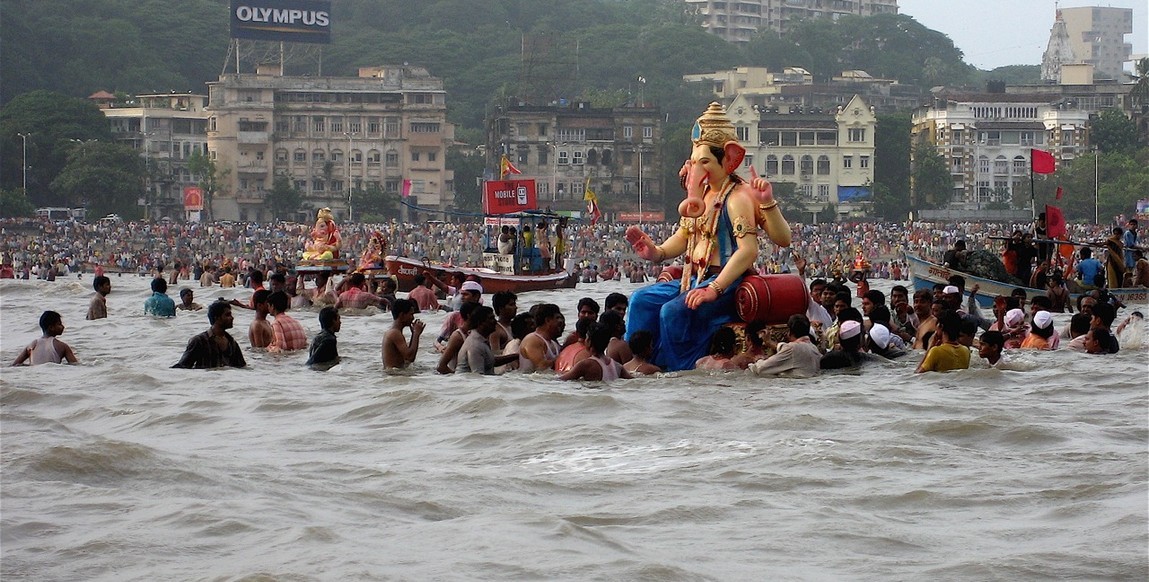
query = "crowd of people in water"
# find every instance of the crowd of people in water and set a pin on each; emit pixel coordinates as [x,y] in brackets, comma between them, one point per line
[832,334]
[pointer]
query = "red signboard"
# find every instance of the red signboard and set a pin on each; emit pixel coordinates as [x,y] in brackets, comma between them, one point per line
[508,196]
[193,198]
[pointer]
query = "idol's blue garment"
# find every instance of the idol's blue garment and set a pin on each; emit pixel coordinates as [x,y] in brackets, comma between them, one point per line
[682,335]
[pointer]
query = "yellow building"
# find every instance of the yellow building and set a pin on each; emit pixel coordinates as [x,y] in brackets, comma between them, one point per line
[329,135]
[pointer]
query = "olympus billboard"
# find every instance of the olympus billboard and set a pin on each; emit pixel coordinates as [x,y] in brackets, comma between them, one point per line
[283,20]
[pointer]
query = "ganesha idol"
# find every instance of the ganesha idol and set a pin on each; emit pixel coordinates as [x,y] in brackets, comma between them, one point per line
[718,240]
[325,239]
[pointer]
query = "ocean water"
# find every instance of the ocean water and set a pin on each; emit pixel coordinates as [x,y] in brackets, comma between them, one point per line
[124,469]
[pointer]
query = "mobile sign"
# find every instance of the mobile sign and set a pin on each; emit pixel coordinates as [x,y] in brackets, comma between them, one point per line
[508,196]
[282,20]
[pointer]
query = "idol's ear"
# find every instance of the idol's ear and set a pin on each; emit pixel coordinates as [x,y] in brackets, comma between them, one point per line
[733,156]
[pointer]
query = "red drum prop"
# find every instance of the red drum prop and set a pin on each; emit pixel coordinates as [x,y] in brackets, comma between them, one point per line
[771,299]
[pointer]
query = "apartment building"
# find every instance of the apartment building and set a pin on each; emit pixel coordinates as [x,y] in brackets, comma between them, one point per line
[986,138]
[795,87]
[739,21]
[561,146]
[827,155]
[166,128]
[329,135]
[1097,37]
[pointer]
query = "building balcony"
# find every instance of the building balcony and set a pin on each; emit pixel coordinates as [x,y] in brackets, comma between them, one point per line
[253,137]
[250,196]
[258,167]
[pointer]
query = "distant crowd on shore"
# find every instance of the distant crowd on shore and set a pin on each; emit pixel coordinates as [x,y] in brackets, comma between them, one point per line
[46,250]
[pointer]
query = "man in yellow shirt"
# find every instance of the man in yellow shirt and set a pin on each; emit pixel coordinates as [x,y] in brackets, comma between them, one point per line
[946,353]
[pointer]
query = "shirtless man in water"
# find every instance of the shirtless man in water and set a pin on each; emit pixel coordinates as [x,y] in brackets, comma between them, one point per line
[397,352]
[539,350]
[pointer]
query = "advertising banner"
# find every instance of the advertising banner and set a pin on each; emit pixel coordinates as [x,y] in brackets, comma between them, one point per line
[193,198]
[645,217]
[282,20]
[507,196]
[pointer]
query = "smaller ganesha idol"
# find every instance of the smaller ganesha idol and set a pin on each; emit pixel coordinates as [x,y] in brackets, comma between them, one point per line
[372,257]
[325,239]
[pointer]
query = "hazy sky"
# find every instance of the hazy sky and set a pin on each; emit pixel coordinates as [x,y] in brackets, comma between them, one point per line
[995,33]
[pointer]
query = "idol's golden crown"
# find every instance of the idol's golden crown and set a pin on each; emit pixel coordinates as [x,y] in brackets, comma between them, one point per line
[714,128]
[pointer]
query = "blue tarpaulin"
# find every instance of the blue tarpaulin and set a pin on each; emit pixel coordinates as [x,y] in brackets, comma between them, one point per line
[852,193]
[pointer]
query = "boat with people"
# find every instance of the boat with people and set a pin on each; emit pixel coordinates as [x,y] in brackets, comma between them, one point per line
[404,269]
[925,274]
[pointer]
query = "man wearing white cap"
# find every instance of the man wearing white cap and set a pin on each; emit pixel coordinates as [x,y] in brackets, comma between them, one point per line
[850,354]
[882,342]
[471,292]
[1041,335]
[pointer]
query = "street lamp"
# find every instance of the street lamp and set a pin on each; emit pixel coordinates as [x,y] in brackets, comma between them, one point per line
[640,185]
[349,191]
[147,135]
[1096,182]
[24,139]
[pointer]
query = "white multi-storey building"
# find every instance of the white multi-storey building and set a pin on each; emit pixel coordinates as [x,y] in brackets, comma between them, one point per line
[166,128]
[1097,36]
[986,139]
[329,135]
[741,20]
[828,156]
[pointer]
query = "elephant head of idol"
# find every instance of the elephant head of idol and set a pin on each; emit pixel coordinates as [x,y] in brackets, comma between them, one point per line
[713,139]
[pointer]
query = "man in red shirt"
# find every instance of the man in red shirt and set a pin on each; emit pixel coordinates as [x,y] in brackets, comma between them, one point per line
[423,296]
[356,296]
[289,334]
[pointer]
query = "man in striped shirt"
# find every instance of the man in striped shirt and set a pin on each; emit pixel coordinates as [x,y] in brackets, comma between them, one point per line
[289,334]
[356,297]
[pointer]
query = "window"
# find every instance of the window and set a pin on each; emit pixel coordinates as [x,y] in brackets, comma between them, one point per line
[336,125]
[281,155]
[983,165]
[857,135]
[823,192]
[955,165]
[827,138]
[301,185]
[521,154]
[424,128]
[391,128]
[281,126]
[1027,138]
[743,133]
[956,136]
[563,159]
[542,130]
[300,124]
[771,165]
[823,165]
[392,159]
[318,156]
[319,124]
[807,165]
[336,155]
[748,161]
[414,156]
[300,156]
[354,125]
[373,158]
[806,138]
[357,156]
[577,158]
[1000,165]
[374,125]
[789,138]
[647,132]
[432,156]
[544,155]
[627,132]
[1019,165]
[864,162]
[317,185]
[787,165]
[606,154]
[847,162]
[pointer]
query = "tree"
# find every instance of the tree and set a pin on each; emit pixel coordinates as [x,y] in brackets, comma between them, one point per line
[375,204]
[284,198]
[50,121]
[210,179]
[14,204]
[932,185]
[1113,132]
[892,166]
[468,171]
[103,177]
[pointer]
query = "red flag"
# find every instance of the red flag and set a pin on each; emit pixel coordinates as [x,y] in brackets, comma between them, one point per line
[1042,162]
[406,189]
[1058,197]
[1054,222]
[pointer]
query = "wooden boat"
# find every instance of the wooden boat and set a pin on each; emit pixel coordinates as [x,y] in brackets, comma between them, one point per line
[925,275]
[404,270]
[334,266]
